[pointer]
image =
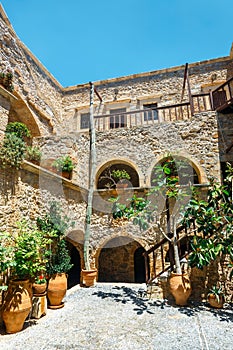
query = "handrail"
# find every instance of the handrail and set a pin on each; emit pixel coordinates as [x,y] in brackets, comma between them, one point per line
[222,96]
[156,247]
[223,84]
[149,116]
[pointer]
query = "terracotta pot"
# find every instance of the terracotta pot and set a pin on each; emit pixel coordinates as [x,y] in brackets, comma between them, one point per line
[39,289]
[180,288]
[89,277]
[66,174]
[212,300]
[17,305]
[121,185]
[57,288]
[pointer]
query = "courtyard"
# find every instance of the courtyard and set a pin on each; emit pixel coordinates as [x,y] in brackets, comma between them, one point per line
[116,316]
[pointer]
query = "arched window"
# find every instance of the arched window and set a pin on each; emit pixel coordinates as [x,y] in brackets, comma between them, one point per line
[179,170]
[115,173]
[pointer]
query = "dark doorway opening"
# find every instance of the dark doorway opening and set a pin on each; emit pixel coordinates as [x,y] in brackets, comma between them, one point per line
[139,266]
[74,273]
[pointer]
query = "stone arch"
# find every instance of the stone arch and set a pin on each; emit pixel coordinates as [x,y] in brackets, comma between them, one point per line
[21,112]
[120,163]
[115,259]
[199,171]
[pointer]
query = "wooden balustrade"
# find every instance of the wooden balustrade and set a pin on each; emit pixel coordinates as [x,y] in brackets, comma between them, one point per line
[153,116]
[222,97]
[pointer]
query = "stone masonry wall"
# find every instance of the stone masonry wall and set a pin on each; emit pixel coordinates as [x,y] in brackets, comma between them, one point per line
[31,80]
[142,147]
[165,86]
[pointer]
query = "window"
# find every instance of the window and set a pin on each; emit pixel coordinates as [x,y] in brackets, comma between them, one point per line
[85,121]
[151,113]
[117,120]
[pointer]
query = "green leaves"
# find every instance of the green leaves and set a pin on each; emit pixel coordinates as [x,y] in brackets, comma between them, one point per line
[18,129]
[64,163]
[12,151]
[24,253]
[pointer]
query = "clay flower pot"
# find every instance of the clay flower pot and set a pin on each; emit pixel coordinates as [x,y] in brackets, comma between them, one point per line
[180,288]
[17,305]
[214,302]
[39,289]
[56,291]
[89,277]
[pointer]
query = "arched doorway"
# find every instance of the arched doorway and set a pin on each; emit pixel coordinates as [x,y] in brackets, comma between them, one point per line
[117,261]
[74,273]
[139,266]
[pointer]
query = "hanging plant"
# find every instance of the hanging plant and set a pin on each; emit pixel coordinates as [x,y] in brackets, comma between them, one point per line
[12,151]
[19,129]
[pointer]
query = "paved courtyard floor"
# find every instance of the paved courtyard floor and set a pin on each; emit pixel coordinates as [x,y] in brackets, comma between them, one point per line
[114,316]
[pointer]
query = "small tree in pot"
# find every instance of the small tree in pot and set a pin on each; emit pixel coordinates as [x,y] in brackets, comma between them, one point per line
[165,200]
[54,225]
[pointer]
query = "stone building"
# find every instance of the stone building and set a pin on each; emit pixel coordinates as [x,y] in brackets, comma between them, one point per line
[140,119]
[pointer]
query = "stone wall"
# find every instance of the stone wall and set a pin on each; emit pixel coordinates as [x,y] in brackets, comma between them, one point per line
[40,91]
[163,87]
[4,111]
[142,147]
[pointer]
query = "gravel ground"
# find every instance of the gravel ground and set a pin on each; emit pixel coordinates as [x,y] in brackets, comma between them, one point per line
[115,317]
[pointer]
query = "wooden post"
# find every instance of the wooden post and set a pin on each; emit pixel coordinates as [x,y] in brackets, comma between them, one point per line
[91,181]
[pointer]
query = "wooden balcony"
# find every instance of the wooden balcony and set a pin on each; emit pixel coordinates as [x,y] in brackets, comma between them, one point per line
[169,113]
[222,97]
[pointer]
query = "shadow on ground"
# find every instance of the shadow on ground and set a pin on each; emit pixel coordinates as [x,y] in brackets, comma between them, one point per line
[125,295]
[143,304]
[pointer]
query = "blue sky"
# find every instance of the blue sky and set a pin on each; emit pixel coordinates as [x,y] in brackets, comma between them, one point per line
[81,41]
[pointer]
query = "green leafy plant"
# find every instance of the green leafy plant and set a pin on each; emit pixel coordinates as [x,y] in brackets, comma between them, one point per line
[210,220]
[18,129]
[24,253]
[118,174]
[33,153]
[64,163]
[213,219]
[111,177]
[217,292]
[60,261]
[6,251]
[54,225]
[40,279]
[147,212]
[12,151]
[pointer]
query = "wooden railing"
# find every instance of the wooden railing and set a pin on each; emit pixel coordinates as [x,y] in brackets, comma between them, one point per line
[222,96]
[170,113]
[162,256]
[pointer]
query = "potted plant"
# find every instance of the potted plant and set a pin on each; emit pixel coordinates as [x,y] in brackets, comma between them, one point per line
[64,165]
[54,226]
[13,147]
[168,202]
[18,129]
[28,257]
[33,154]
[115,178]
[215,297]
[12,151]
[39,286]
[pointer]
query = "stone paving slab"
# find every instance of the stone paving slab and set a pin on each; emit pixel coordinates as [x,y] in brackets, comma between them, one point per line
[114,316]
